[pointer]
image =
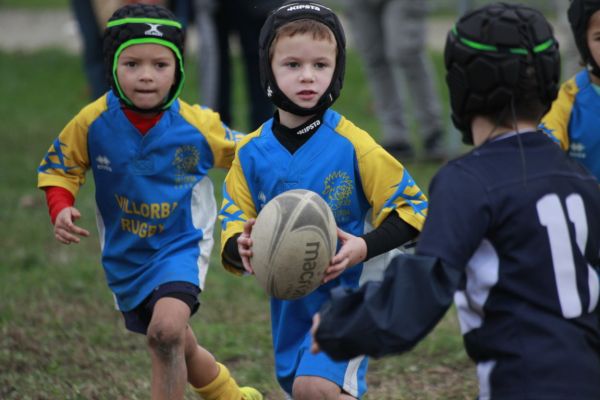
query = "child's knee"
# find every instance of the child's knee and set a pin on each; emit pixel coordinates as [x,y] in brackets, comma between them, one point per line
[308,388]
[164,339]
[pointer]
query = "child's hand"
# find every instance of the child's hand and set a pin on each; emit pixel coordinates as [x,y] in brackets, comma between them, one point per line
[65,230]
[353,251]
[245,245]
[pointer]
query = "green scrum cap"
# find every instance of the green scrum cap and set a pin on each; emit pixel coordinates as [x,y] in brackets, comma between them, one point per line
[140,24]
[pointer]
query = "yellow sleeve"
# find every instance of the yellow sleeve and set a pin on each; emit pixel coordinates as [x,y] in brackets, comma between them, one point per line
[386,183]
[67,161]
[221,139]
[237,206]
[555,123]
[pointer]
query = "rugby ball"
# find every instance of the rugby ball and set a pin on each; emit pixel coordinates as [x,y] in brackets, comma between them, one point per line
[293,241]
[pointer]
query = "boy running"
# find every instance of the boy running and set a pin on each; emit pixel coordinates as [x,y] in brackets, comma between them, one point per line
[149,153]
[307,145]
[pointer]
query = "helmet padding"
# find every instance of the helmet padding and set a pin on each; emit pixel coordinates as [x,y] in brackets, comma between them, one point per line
[139,24]
[490,57]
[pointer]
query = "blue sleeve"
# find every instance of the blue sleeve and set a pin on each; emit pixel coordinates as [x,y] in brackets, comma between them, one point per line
[390,316]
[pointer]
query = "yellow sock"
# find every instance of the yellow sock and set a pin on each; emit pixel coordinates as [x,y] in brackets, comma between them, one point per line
[223,387]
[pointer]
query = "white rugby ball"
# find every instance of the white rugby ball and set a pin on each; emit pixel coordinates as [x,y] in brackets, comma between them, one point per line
[293,241]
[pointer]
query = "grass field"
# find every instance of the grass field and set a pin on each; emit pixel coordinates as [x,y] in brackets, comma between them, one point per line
[60,337]
[35,4]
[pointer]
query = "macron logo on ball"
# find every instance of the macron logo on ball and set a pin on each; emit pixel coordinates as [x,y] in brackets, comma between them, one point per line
[153,31]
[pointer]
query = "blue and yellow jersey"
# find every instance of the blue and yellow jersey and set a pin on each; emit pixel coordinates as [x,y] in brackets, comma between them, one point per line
[341,162]
[361,183]
[574,121]
[155,203]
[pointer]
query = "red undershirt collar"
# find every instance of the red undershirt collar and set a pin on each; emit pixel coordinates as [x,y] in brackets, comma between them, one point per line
[141,122]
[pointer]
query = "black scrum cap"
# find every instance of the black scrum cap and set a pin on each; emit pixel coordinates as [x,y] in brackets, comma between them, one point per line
[293,11]
[486,56]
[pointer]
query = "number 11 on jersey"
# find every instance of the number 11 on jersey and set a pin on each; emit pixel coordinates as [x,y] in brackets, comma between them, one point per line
[552,216]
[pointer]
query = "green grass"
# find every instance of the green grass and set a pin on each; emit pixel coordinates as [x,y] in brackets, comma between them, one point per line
[35,4]
[60,337]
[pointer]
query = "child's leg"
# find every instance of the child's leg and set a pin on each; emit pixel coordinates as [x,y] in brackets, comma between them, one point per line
[166,340]
[210,379]
[316,376]
[314,387]
[202,368]
[176,356]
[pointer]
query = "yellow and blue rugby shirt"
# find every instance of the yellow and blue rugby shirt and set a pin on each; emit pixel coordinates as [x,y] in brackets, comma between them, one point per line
[361,183]
[341,162]
[155,204]
[574,121]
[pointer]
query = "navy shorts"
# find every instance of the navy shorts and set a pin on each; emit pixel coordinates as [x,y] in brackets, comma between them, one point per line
[138,319]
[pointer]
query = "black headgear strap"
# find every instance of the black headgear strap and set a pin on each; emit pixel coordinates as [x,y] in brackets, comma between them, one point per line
[294,11]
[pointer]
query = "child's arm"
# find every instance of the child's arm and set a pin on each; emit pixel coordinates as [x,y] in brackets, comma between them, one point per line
[353,251]
[57,198]
[387,185]
[65,230]
[392,233]
[62,172]
[387,316]
[62,214]
[236,211]
[244,243]
[555,123]
[231,254]
[238,249]
[221,139]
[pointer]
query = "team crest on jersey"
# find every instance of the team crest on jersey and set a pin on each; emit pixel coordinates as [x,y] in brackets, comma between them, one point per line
[337,192]
[186,163]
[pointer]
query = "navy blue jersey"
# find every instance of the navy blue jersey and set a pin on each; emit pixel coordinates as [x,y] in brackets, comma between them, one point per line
[514,233]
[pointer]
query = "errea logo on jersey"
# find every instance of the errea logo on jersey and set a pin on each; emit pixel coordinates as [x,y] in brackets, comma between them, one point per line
[262,200]
[303,7]
[103,163]
[577,150]
[153,31]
